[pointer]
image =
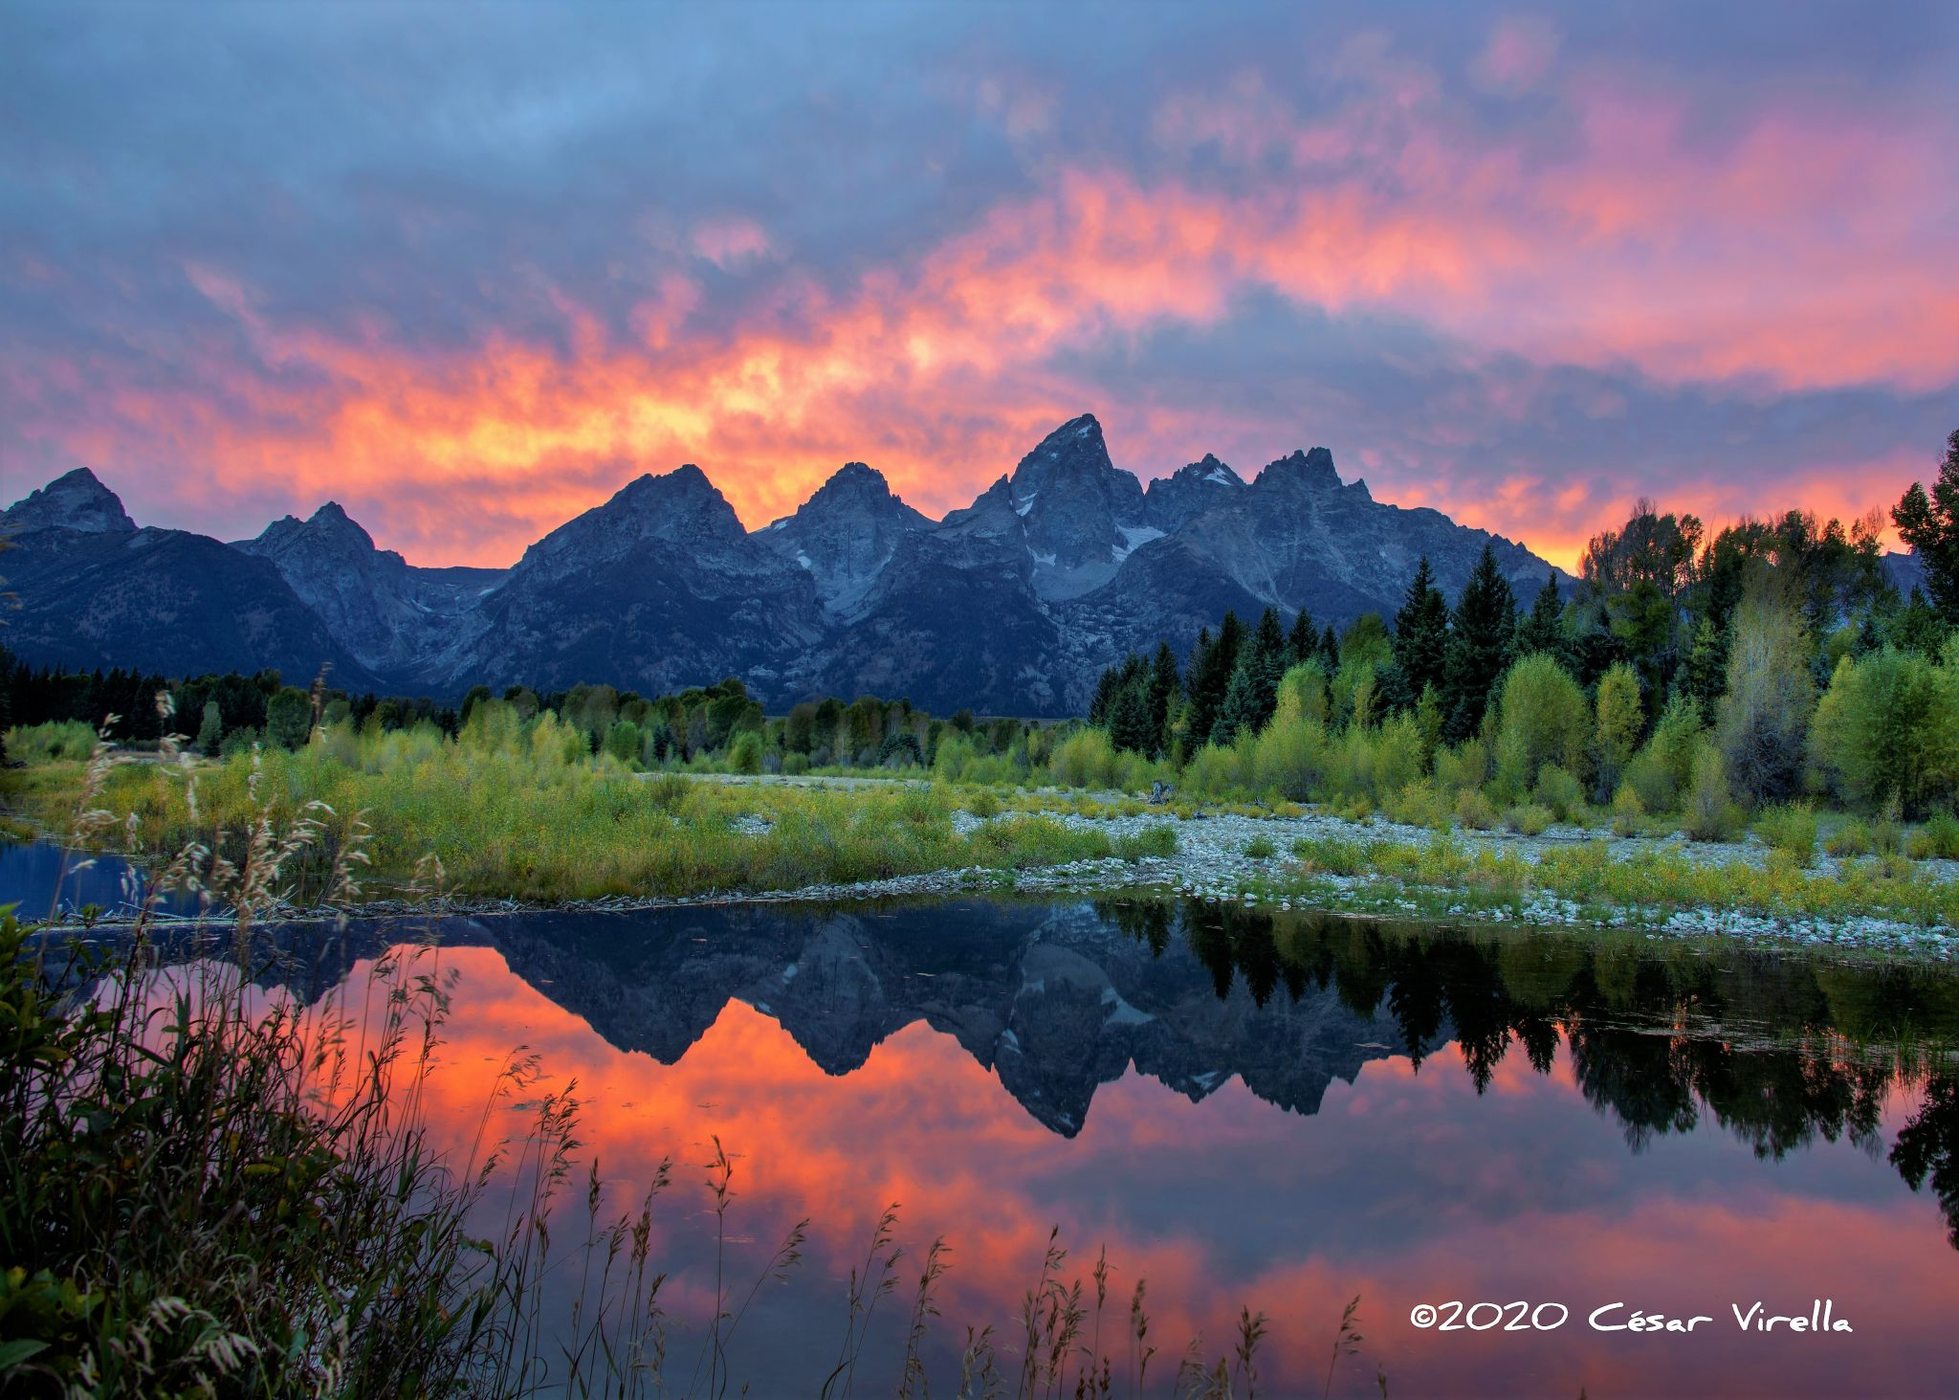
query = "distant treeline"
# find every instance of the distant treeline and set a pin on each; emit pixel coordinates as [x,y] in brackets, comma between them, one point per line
[225,713]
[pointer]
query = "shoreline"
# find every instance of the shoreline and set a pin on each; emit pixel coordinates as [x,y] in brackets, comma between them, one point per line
[1212,865]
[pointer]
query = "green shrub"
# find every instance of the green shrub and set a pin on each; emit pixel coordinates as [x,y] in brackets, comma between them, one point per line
[1790,827]
[983,803]
[1531,819]
[1289,757]
[1853,838]
[1475,811]
[1215,772]
[1335,855]
[1542,718]
[49,743]
[1662,773]
[1559,789]
[1260,848]
[1938,839]
[1085,759]
[1464,765]
[1420,804]
[745,754]
[622,741]
[1628,812]
[1158,839]
[795,764]
[1887,729]
[1711,813]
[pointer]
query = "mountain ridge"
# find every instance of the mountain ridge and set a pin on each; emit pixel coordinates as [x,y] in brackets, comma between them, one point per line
[1012,604]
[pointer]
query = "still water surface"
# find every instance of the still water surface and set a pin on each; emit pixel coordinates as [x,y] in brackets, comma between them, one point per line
[1281,1111]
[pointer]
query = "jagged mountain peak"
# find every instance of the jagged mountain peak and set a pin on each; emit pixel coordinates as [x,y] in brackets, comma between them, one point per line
[1313,469]
[1073,449]
[856,484]
[845,534]
[76,500]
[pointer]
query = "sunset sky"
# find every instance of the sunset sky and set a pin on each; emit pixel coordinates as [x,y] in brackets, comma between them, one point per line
[468,269]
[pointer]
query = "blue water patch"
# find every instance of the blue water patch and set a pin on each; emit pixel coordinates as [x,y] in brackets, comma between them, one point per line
[47,880]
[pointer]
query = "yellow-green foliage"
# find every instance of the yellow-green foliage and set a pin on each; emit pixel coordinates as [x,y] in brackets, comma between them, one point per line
[1289,758]
[1542,718]
[1628,812]
[1642,877]
[1662,773]
[521,809]
[1464,765]
[1421,804]
[50,743]
[1375,763]
[1938,839]
[1474,810]
[1888,728]
[1084,759]
[1711,813]
[1531,819]
[1215,772]
[1559,791]
[1620,721]
[1302,692]
[1790,827]
[1158,839]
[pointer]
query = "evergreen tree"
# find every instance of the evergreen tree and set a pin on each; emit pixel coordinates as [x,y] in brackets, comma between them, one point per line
[1105,694]
[1480,645]
[1210,677]
[1129,715]
[1165,688]
[1543,627]
[1253,692]
[210,730]
[1704,675]
[1330,650]
[1304,641]
[1929,523]
[1421,637]
[1239,712]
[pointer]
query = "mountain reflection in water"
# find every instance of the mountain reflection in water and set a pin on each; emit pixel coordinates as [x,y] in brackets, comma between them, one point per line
[1280,1110]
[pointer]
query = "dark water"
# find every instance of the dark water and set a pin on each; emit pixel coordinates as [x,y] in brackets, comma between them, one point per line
[1279,1111]
[43,880]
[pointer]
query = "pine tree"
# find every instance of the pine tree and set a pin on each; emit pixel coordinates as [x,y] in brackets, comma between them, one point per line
[1304,641]
[210,730]
[1421,637]
[1210,677]
[1330,651]
[1543,628]
[1129,715]
[1930,525]
[1704,676]
[1105,694]
[1165,688]
[1253,692]
[1485,627]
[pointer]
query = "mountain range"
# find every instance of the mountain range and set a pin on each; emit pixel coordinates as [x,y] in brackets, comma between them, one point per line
[1012,605]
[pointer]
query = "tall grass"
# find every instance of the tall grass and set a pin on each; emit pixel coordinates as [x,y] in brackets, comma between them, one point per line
[526,812]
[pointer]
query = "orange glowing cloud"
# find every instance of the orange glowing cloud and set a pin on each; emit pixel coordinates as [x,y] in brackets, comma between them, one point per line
[1636,248]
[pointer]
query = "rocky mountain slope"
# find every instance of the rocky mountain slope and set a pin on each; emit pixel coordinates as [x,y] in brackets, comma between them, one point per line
[386,612]
[94,591]
[1011,605]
